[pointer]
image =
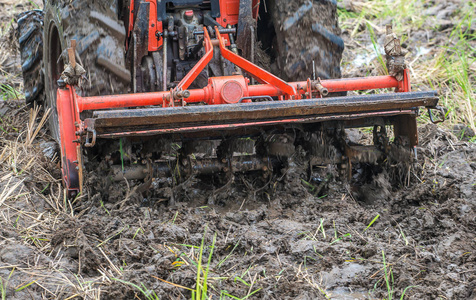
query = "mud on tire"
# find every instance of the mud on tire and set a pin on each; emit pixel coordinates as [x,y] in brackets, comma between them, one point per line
[307,31]
[100,37]
[30,38]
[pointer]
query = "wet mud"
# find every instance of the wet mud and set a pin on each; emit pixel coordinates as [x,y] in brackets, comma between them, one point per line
[284,242]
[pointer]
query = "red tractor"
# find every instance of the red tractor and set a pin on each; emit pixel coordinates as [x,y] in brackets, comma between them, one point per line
[138,75]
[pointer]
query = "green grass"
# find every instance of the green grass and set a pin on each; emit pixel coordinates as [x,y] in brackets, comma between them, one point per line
[450,67]
[403,13]
[4,284]
[148,294]
[201,284]
[389,280]
[201,257]
[371,222]
[382,62]
[8,92]
[460,70]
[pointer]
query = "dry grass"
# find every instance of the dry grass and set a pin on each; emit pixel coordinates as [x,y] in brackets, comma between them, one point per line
[32,206]
[445,61]
[33,203]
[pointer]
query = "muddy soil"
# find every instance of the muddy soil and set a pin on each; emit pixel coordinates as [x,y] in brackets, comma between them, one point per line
[307,39]
[285,245]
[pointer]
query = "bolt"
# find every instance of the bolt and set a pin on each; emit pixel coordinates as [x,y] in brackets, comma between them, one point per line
[61,83]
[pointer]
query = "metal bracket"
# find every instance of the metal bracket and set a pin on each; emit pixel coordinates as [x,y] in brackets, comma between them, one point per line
[440,109]
[267,98]
[91,137]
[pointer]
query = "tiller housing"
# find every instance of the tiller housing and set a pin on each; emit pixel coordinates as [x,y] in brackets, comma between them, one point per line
[231,106]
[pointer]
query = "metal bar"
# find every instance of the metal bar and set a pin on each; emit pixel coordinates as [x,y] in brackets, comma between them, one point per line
[69,158]
[240,164]
[221,30]
[164,61]
[263,110]
[202,95]
[174,128]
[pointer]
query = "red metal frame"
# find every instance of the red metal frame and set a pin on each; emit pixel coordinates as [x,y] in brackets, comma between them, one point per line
[70,124]
[220,90]
[229,14]
[155,26]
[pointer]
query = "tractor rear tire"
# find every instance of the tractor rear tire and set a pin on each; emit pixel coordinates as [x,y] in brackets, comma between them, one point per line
[30,38]
[100,37]
[306,32]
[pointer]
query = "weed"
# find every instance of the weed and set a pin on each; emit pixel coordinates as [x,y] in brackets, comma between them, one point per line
[371,222]
[24,286]
[149,294]
[104,207]
[175,217]
[376,46]
[139,230]
[4,284]
[228,256]
[389,280]
[112,236]
[340,238]
[201,287]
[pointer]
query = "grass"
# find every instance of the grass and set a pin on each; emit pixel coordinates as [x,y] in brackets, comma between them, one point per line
[371,222]
[201,257]
[403,13]
[4,284]
[451,70]
[148,294]
[201,285]
[450,65]
[389,280]
[8,92]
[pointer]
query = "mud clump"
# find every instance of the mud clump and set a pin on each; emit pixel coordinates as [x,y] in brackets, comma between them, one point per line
[309,244]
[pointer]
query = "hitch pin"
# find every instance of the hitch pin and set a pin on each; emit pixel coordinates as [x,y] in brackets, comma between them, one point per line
[322,90]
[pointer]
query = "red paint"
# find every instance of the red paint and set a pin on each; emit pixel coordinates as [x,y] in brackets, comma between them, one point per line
[69,158]
[212,93]
[155,27]
[189,13]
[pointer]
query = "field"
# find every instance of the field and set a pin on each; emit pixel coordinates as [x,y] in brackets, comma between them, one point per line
[414,241]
